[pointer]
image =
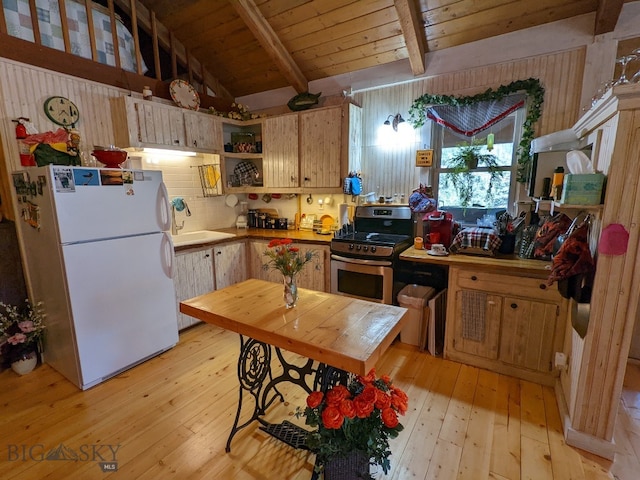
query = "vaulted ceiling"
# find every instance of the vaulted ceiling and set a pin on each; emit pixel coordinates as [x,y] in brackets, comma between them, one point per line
[253,46]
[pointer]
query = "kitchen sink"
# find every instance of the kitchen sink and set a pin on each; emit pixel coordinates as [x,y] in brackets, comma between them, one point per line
[199,236]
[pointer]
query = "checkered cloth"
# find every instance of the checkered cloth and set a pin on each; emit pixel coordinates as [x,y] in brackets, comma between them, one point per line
[478,239]
[244,169]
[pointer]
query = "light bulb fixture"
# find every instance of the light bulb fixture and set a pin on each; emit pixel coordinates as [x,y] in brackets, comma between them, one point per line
[170,153]
[395,121]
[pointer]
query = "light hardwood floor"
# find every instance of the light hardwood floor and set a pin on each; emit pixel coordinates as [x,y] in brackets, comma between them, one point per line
[170,417]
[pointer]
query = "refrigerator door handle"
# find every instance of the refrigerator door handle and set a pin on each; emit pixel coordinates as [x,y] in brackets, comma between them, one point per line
[167,254]
[163,212]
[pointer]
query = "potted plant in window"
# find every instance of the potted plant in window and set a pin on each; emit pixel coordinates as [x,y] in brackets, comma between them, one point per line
[354,424]
[467,158]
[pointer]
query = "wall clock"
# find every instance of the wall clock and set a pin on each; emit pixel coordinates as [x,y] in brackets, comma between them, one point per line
[61,111]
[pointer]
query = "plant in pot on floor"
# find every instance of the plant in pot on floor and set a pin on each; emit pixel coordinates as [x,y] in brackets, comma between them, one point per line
[21,330]
[354,424]
[465,160]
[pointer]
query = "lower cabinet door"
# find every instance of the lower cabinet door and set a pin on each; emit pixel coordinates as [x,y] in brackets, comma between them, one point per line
[528,333]
[193,277]
[230,264]
[477,323]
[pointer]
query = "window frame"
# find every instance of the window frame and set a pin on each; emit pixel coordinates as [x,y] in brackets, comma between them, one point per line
[436,133]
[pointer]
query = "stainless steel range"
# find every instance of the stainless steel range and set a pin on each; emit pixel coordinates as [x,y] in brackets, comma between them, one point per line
[363,256]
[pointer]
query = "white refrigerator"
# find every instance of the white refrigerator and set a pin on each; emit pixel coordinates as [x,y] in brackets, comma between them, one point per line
[99,256]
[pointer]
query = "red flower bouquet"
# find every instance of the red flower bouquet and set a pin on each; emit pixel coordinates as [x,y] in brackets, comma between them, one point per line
[286,258]
[360,417]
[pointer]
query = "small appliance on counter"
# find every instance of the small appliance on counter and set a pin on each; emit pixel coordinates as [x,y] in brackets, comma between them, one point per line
[437,227]
[242,221]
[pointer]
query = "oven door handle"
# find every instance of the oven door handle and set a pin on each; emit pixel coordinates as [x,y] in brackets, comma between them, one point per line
[362,261]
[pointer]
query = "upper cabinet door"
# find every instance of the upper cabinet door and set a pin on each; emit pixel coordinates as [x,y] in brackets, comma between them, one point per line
[321,148]
[160,125]
[280,151]
[203,131]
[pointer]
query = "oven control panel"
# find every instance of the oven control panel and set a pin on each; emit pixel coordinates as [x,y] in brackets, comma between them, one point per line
[361,249]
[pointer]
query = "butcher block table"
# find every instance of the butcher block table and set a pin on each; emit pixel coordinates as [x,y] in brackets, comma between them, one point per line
[337,334]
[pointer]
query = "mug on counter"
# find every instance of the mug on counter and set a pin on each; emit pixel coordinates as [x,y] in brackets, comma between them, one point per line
[418,243]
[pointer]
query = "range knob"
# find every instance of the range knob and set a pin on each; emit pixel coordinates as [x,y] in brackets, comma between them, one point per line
[373,249]
[358,247]
[351,246]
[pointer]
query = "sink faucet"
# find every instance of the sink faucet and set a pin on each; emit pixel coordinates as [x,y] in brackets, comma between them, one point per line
[178,204]
[175,228]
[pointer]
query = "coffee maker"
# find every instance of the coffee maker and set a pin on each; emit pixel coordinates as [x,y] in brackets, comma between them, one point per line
[438,223]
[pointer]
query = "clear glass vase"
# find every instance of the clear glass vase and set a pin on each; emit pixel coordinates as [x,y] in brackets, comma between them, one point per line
[290,290]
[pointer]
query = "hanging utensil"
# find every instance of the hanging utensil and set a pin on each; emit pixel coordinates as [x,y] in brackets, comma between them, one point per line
[309,199]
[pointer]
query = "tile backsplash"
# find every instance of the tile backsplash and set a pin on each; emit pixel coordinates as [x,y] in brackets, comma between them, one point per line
[181,176]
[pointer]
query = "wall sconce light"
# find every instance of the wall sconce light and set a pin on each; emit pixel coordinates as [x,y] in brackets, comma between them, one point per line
[395,121]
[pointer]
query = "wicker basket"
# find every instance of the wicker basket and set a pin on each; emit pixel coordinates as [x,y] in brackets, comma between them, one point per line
[354,466]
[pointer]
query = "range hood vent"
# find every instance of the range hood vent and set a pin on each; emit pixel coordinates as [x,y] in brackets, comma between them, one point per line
[562,141]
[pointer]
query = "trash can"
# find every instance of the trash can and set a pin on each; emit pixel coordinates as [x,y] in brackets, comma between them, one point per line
[415,297]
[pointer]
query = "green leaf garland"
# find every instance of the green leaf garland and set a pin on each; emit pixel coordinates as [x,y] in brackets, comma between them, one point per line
[535,94]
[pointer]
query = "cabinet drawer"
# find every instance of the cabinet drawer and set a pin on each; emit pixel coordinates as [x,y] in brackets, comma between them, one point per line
[534,288]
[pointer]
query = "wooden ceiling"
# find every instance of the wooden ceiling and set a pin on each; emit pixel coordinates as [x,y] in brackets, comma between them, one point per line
[252,46]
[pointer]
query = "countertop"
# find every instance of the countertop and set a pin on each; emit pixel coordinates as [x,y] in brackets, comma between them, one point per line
[505,263]
[300,236]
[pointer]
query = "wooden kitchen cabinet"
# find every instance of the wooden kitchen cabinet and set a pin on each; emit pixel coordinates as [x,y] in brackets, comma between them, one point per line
[322,150]
[142,123]
[305,151]
[281,151]
[313,276]
[203,131]
[506,323]
[230,264]
[193,276]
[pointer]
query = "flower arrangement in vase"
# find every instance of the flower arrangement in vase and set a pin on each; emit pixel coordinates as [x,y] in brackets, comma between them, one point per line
[21,331]
[286,258]
[357,419]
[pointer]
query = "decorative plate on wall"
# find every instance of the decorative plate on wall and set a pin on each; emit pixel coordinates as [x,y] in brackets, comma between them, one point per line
[184,95]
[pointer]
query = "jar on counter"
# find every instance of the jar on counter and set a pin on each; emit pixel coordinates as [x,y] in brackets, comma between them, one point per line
[147,94]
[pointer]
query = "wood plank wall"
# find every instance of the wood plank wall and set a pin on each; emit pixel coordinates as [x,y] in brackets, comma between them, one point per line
[23,90]
[560,73]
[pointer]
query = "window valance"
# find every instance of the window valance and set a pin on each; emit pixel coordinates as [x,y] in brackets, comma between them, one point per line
[427,105]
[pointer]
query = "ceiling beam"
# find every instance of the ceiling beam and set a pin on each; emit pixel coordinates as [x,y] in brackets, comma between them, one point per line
[413,31]
[265,35]
[607,16]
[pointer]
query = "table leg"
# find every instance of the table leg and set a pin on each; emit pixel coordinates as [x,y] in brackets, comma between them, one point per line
[254,366]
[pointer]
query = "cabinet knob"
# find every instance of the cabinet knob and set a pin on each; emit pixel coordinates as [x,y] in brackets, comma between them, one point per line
[195,143]
[543,286]
[474,278]
[206,255]
[307,179]
[219,252]
[514,305]
[177,142]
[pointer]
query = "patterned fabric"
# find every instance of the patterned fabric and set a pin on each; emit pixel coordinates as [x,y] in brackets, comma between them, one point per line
[473,315]
[483,239]
[245,169]
[547,234]
[18,19]
[473,118]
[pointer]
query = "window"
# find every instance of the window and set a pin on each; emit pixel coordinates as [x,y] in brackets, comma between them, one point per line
[445,142]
